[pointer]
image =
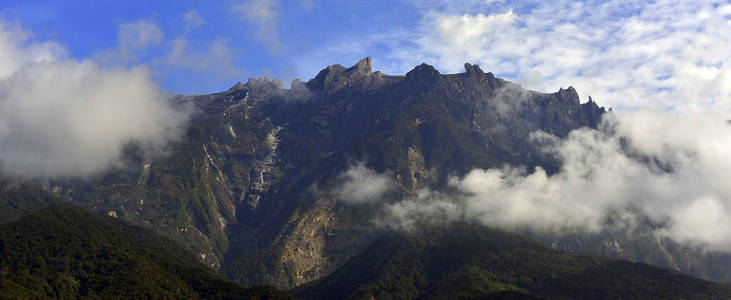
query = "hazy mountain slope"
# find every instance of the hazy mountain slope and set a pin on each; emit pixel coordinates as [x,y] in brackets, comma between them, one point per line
[19,198]
[462,261]
[645,245]
[67,252]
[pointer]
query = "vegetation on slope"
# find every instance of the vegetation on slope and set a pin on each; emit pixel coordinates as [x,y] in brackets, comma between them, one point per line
[463,261]
[19,198]
[67,252]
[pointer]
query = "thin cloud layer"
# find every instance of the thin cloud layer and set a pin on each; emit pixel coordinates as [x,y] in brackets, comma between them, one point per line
[216,60]
[63,117]
[192,19]
[139,34]
[264,16]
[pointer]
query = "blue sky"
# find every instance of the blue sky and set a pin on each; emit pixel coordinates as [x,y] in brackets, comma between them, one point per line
[80,79]
[626,54]
[87,27]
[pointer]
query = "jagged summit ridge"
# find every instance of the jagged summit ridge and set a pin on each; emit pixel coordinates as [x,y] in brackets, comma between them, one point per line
[469,68]
[363,66]
[256,149]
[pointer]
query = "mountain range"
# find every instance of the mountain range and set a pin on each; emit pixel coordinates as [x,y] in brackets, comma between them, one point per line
[254,189]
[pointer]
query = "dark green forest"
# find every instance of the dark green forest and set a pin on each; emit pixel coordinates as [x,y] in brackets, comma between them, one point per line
[69,253]
[469,261]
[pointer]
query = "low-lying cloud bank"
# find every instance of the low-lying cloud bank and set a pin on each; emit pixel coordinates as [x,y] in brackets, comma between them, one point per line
[669,168]
[64,117]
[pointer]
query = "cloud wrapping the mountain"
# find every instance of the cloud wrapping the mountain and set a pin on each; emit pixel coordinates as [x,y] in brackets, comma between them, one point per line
[63,117]
[670,168]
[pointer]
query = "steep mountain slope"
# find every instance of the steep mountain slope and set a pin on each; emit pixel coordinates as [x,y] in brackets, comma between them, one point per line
[645,245]
[423,127]
[248,187]
[461,261]
[67,252]
[20,198]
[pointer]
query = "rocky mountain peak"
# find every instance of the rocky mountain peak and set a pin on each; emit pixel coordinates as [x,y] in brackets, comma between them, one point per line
[363,66]
[569,94]
[336,77]
[423,74]
[237,87]
[473,69]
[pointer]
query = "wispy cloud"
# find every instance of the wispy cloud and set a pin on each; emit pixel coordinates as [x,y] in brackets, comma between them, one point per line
[192,19]
[629,55]
[134,39]
[139,34]
[216,59]
[263,16]
[212,60]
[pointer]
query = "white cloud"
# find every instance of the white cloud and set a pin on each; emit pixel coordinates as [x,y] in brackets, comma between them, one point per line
[358,184]
[217,58]
[192,19]
[138,34]
[671,168]
[427,207]
[213,58]
[264,16]
[63,117]
[133,40]
[16,49]
[629,55]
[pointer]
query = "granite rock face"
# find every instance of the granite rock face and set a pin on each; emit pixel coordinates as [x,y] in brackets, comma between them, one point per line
[247,187]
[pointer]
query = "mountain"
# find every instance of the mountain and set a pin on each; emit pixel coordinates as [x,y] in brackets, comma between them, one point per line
[19,198]
[249,187]
[66,252]
[467,261]
[644,244]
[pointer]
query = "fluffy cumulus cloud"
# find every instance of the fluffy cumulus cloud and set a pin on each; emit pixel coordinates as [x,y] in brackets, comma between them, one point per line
[669,168]
[63,117]
[14,51]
